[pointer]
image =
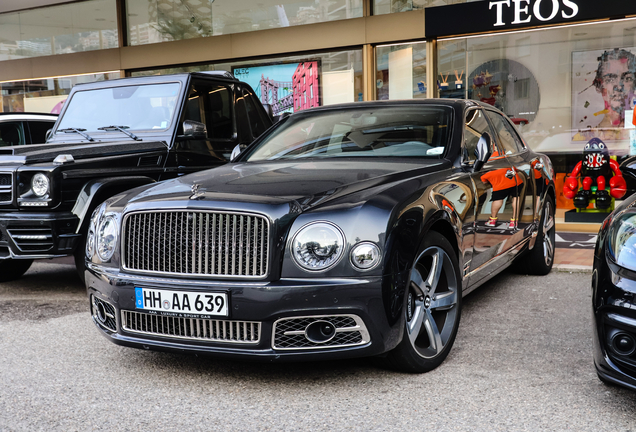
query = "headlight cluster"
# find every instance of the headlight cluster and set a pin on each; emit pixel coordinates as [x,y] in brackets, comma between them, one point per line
[622,241]
[319,246]
[103,232]
[34,189]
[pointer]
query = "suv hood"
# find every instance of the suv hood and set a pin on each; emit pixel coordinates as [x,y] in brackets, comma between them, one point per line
[41,153]
[304,183]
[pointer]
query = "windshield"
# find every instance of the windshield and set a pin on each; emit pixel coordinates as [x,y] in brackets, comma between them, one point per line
[380,132]
[142,107]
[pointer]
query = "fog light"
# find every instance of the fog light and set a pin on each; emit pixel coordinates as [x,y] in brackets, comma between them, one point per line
[623,343]
[320,331]
[365,256]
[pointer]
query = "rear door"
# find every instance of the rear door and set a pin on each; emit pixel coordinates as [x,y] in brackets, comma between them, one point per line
[493,193]
[516,154]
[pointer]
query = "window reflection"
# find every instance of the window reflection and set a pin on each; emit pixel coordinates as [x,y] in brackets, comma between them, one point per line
[152,21]
[77,27]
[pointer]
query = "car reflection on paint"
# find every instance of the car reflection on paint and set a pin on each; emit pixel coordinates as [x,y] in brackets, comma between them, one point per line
[344,231]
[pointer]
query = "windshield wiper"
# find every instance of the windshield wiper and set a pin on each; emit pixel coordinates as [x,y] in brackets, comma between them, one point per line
[121,129]
[76,130]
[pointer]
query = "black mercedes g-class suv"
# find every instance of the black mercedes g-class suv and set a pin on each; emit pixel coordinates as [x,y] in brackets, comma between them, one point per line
[112,136]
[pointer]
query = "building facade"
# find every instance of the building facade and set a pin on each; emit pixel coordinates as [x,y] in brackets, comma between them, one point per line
[563,70]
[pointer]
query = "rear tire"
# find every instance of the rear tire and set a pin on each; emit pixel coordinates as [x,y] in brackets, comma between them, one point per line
[540,259]
[12,269]
[432,308]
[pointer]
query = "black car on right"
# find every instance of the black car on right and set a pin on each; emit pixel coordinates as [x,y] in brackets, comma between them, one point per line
[614,297]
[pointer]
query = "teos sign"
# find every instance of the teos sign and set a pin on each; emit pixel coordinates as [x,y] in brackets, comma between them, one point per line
[525,10]
[474,17]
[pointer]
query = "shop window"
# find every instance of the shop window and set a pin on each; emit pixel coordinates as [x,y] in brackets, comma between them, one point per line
[401,71]
[152,21]
[522,87]
[338,78]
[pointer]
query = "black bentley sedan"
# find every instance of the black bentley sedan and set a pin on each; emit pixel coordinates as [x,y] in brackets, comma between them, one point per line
[613,297]
[343,231]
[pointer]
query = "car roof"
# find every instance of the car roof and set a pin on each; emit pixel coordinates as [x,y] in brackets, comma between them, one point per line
[7,116]
[181,77]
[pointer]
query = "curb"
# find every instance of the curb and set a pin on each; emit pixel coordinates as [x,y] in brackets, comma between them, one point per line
[572,268]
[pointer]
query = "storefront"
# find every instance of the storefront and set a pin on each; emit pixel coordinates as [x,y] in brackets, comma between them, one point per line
[563,70]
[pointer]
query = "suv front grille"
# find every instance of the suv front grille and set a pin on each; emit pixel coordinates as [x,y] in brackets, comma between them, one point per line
[290,333]
[196,243]
[192,328]
[6,188]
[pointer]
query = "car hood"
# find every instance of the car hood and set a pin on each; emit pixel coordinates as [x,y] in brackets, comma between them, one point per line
[303,183]
[40,153]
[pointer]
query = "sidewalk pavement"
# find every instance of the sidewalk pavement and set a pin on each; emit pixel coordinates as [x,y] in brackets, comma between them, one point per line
[574,251]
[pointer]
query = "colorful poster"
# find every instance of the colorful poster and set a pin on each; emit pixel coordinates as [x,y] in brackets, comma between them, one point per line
[603,92]
[287,87]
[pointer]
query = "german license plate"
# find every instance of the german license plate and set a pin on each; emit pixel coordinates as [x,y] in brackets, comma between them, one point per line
[182,304]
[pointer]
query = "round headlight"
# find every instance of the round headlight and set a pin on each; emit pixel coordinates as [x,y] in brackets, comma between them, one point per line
[622,241]
[106,238]
[365,256]
[40,184]
[317,246]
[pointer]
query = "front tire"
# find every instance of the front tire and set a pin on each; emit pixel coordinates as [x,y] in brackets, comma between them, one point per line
[432,308]
[12,269]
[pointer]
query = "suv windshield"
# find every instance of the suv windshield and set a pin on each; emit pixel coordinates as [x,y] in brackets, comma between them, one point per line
[391,131]
[142,107]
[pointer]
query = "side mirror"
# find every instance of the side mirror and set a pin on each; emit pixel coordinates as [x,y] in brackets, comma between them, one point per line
[47,135]
[482,151]
[236,151]
[194,130]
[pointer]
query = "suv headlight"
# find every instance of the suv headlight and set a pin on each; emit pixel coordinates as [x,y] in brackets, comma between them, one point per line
[40,184]
[106,238]
[318,246]
[622,241]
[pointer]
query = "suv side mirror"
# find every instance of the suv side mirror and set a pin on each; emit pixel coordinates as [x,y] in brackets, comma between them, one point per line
[482,151]
[282,116]
[269,109]
[194,130]
[47,135]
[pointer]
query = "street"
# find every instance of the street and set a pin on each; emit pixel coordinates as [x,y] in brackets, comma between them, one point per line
[522,361]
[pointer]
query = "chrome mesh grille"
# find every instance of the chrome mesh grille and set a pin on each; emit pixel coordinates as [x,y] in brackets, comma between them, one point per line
[289,333]
[192,328]
[196,243]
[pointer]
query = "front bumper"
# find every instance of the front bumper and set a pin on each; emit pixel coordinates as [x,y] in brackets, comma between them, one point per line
[267,320]
[37,235]
[614,317]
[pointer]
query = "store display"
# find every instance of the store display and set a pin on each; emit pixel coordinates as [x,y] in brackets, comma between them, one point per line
[594,170]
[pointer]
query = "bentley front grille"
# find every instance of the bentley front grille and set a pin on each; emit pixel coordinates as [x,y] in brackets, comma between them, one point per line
[196,243]
[6,188]
[295,333]
[192,328]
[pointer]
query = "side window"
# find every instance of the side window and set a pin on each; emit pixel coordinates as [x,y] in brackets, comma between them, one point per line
[38,131]
[218,112]
[476,124]
[192,109]
[11,134]
[257,118]
[507,135]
